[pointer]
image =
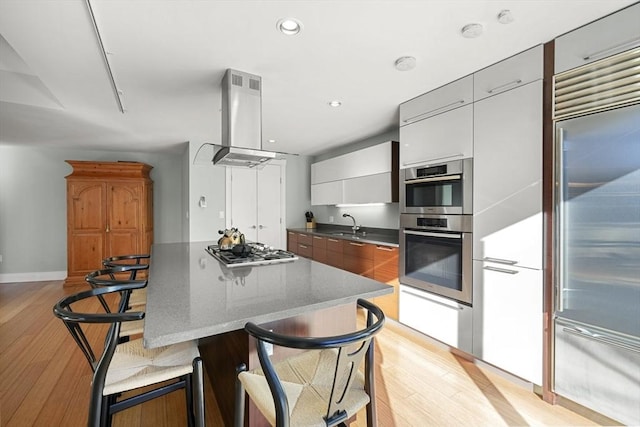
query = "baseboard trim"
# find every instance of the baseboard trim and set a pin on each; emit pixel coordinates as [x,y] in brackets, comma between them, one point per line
[32,277]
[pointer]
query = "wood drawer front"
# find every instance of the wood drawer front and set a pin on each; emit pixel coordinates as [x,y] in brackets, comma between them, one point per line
[305,250]
[362,250]
[358,265]
[305,239]
[385,260]
[335,245]
[320,242]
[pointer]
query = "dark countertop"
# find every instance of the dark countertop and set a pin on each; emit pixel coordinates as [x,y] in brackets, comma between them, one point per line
[376,236]
[191,295]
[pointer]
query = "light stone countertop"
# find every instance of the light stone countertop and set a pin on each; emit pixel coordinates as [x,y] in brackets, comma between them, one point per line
[191,295]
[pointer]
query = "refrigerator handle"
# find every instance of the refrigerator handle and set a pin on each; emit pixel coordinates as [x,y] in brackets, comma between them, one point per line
[584,333]
[560,276]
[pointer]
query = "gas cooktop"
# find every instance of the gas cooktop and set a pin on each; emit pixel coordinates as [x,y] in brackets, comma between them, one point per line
[259,254]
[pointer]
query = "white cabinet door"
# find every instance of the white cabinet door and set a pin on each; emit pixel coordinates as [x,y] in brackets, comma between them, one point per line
[610,35]
[507,318]
[326,193]
[367,161]
[507,173]
[516,71]
[448,97]
[438,317]
[447,136]
[368,189]
[255,204]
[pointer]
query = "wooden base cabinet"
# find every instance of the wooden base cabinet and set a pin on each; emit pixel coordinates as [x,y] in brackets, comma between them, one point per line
[385,270]
[109,212]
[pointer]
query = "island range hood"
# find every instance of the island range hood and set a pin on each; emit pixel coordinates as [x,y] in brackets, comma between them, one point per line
[242,122]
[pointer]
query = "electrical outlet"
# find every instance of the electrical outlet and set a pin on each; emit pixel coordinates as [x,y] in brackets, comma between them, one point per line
[221,214]
[0,258]
[330,218]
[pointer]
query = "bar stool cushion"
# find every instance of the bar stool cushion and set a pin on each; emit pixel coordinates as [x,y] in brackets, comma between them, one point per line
[134,366]
[307,380]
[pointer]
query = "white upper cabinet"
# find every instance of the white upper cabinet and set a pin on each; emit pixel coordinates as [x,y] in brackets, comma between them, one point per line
[444,137]
[438,126]
[367,161]
[327,193]
[610,35]
[363,176]
[508,74]
[453,95]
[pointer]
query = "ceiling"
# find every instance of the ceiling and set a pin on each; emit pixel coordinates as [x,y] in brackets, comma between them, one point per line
[168,58]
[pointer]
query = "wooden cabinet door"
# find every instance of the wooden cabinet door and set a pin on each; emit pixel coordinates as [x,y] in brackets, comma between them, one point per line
[335,255]
[124,219]
[320,249]
[385,269]
[86,217]
[358,258]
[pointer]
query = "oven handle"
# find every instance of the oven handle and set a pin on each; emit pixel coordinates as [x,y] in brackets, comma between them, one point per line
[433,179]
[427,234]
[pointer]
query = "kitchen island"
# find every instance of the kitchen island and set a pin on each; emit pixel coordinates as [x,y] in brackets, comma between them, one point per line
[191,295]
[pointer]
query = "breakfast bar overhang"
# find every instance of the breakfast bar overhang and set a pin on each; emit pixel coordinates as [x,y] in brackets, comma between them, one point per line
[191,295]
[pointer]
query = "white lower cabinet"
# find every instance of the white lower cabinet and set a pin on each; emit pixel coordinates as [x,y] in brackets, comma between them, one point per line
[438,317]
[507,318]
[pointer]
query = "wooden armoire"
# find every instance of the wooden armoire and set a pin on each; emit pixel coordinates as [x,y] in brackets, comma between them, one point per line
[109,213]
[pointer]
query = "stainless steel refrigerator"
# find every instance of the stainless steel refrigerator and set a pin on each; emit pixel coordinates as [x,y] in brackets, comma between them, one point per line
[597,289]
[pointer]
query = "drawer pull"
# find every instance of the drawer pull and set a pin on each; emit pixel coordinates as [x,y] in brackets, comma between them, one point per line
[410,119]
[500,270]
[504,86]
[500,261]
[384,248]
[333,240]
[584,333]
[427,162]
[303,235]
[453,307]
[604,52]
[303,246]
[356,244]
[318,237]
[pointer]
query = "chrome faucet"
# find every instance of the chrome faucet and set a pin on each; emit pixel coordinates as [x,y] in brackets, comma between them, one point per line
[355,227]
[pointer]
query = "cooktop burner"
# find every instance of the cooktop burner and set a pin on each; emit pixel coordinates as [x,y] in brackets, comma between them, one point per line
[259,254]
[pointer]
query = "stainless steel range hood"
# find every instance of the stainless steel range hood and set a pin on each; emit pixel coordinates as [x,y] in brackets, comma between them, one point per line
[242,122]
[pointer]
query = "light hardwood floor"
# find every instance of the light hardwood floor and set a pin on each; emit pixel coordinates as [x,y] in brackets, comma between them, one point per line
[44,378]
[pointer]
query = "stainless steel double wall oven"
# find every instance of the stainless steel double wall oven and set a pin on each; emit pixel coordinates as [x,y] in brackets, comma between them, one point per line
[435,229]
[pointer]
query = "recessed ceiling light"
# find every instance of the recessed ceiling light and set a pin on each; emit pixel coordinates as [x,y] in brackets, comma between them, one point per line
[405,63]
[471,31]
[271,141]
[505,16]
[335,103]
[289,26]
